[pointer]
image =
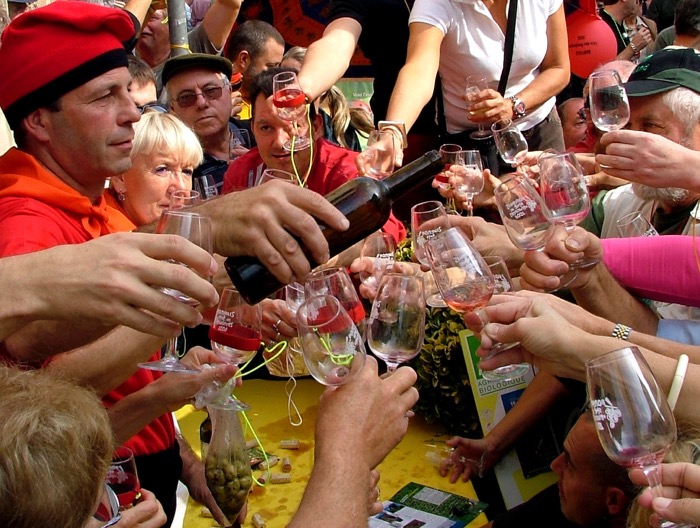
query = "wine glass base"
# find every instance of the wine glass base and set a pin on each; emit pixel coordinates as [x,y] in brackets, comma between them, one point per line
[436,301]
[168,365]
[584,264]
[481,134]
[506,372]
[298,145]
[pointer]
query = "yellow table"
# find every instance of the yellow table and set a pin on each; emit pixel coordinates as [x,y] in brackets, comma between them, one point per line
[268,414]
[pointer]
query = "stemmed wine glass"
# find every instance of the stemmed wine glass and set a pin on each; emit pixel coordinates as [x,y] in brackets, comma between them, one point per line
[235,337]
[510,142]
[525,217]
[397,320]
[205,185]
[565,193]
[449,153]
[380,248]
[337,282]
[428,221]
[634,422]
[610,109]
[123,477]
[196,228]
[378,156]
[635,224]
[467,284]
[276,174]
[333,348]
[468,176]
[290,102]
[475,85]
[184,199]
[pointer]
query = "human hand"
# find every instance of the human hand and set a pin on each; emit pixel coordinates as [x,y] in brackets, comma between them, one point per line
[115,280]
[368,265]
[148,513]
[374,504]
[468,458]
[367,417]
[488,107]
[278,321]
[642,37]
[263,222]
[541,270]
[647,158]
[391,142]
[193,476]
[174,390]
[681,493]
[236,103]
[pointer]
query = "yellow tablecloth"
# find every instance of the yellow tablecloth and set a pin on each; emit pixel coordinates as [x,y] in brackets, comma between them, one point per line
[268,415]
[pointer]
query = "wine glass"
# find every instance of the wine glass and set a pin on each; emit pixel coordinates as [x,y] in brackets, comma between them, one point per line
[290,103]
[184,199]
[565,194]
[379,154]
[635,224]
[337,282]
[123,478]
[334,350]
[634,422]
[501,275]
[448,153]
[235,337]
[468,177]
[510,142]
[196,228]
[239,144]
[276,174]
[397,320]
[610,109]
[380,248]
[525,217]
[205,185]
[428,221]
[467,284]
[475,85]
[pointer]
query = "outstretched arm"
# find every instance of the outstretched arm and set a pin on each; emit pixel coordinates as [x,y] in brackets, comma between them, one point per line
[219,21]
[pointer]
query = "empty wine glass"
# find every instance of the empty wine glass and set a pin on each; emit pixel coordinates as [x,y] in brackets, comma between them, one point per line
[196,228]
[334,350]
[467,284]
[276,174]
[239,143]
[235,337]
[380,248]
[475,85]
[205,185]
[635,224]
[468,177]
[378,156]
[633,420]
[428,221]
[290,103]
[184,199]
[501,275]
[525,217]
[610,108]
[397,320]
[510,142]
[565,194]
[337,282]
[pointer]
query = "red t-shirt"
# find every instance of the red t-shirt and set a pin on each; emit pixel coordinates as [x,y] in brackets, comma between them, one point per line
[39,211]
[332,167]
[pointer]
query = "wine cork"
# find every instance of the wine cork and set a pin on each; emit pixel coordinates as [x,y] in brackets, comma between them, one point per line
[250,444]
[262,479]
[286,465]
[291,443]
[271,462]
[280,478]
[259,521]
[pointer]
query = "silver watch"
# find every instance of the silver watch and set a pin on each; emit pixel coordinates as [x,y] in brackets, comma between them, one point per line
[518,107]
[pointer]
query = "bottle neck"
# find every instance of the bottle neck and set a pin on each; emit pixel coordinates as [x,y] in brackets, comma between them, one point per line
[411,175]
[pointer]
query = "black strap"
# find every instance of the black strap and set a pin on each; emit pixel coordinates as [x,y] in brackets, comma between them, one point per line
[505,72]
[508,50]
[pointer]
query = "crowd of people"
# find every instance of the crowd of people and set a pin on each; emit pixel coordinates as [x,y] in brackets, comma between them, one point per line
[108,123]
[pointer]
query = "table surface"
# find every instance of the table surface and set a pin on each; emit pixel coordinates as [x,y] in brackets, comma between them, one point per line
[269,416]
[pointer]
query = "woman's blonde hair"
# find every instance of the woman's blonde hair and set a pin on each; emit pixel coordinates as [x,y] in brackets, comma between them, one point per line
[164,132]
[56,445]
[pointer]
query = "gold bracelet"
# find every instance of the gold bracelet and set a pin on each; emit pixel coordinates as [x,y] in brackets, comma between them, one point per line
[621,331]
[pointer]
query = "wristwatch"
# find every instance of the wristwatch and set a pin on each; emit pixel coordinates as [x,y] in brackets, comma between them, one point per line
[518,107]
[399,126]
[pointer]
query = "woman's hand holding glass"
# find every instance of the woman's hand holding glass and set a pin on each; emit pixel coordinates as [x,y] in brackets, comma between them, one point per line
[377,159]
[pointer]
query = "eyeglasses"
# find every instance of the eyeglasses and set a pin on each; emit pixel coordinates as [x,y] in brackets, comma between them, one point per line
[108,508]
[187,99]
[166,172]
[151,107]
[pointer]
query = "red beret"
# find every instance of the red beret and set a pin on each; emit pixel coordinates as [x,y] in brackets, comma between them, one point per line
[49,51]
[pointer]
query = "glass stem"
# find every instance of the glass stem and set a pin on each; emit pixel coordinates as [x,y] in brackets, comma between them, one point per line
[171,349]
[391,368]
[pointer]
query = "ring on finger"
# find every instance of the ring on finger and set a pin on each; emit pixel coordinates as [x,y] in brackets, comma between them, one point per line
[276,326]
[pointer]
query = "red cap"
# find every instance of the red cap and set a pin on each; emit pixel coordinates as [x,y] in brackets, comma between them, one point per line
[49,51]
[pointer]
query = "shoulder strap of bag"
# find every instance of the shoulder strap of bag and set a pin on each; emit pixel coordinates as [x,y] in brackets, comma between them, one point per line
[505,72]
